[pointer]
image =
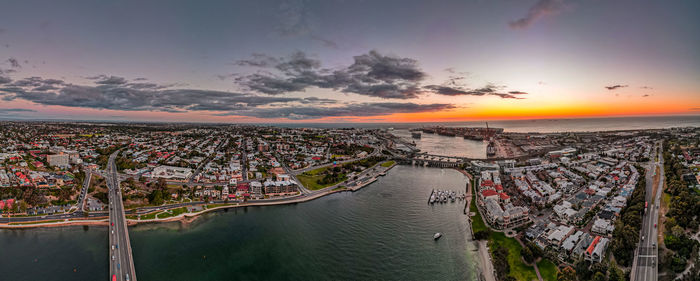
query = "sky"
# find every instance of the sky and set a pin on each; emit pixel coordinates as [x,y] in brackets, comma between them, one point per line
[348,61]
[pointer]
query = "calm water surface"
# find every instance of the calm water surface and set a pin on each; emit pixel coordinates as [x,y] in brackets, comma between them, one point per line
[383,231]
[445,145]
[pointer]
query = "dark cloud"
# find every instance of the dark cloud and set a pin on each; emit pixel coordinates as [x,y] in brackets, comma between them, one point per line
[615,87]
[142,96]
[358,110]
[131,96]
[694,108]
[315,100]
[371,74]
[108,80]
[14,110]
[540,9]
[2,30]
[645,95]
[5,80]
[488,90]
[646,88]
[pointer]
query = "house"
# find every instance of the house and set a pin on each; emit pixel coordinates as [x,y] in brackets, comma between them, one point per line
[602,227]
[243,189]
[596,250]
[557,236]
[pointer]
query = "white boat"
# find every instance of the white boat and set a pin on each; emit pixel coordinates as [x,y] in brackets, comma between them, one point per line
[437,236]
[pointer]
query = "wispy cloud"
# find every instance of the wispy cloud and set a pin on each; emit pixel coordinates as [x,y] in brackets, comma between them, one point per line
[541,9]
[357,110]
[296,20]
[488,90]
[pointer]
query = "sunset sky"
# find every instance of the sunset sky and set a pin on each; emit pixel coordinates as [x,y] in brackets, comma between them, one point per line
[348,61]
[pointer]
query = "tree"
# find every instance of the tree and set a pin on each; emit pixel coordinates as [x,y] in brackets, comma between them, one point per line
[567,274]
[156,197]
[599,276]
[527,255]
[615,274]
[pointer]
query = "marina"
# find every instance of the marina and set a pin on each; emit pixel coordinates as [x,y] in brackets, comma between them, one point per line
[444,196]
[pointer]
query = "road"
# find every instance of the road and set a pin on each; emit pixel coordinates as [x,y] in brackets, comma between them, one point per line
[84,191]
[204,163]
[376,152]
[121,262]
[646,262]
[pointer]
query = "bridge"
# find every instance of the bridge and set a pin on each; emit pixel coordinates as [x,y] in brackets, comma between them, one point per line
[121,261]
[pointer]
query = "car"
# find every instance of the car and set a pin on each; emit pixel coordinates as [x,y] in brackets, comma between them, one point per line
[114,277]
[119,266]
[642,237]
[654,225]
[127,277]
[112,224]
[112,247]
[112,257]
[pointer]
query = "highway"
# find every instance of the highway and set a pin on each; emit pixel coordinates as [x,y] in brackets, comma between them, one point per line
[121,262]
[646,261]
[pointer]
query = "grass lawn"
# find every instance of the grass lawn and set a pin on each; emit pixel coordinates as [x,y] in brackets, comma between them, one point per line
[172,213]
[518,269]
[310,179]
[388,163]
[477,222]
[548,270]
[149,216]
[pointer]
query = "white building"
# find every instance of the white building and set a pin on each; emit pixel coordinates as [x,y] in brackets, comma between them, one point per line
[58,160]
[171,173]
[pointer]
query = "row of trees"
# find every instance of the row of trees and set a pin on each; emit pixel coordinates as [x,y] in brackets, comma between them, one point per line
[682,214]
[584,270]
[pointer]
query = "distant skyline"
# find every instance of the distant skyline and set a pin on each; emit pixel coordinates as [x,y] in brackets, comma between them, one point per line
[348,61]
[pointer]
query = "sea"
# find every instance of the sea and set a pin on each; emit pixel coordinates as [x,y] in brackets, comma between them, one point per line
[533,125]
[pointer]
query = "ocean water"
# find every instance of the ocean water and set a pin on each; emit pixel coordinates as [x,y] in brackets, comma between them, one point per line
[535,125]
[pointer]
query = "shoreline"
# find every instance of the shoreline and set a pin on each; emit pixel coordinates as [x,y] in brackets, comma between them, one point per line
[187,218]
[486,271]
